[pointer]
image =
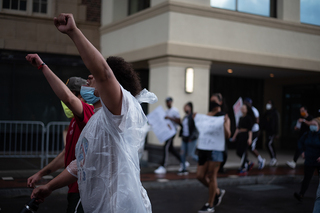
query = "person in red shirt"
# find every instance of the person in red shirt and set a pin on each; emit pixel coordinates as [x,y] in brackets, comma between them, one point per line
[71,97]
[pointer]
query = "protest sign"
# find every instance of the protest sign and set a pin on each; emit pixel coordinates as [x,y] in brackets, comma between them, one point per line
[237,110]
[162,128]
[211,132]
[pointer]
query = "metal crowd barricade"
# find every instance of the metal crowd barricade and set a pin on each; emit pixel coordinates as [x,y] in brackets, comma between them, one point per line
[55,138]
[22,139]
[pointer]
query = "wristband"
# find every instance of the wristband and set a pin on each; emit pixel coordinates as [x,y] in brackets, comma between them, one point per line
[40,66]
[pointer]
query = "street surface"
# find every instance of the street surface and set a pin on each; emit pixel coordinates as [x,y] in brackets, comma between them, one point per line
[275,198]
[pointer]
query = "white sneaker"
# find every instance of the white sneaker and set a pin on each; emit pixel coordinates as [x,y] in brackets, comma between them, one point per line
[273,162]
[291,164]
[160,170]
[262,163]
[181,166]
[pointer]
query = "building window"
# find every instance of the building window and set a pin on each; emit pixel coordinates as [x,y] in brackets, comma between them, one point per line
[39,6]
[261,7]
[137,5]
[15,5]
[310,12]
[42,8]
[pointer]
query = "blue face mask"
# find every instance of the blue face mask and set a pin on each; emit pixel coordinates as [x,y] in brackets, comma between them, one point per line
[313,128]
[87,94]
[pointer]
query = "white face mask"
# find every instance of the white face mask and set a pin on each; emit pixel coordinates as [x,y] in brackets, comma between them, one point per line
[268,106]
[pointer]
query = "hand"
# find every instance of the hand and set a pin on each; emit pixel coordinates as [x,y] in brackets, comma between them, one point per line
[167,117]
[41,193]
[302,155]
[65,23]
[301,120]
[33,179]
[232,139]
[318,160]
[249,142]
[34,60]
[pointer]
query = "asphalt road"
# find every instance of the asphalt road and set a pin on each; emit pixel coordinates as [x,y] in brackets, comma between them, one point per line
[240,199]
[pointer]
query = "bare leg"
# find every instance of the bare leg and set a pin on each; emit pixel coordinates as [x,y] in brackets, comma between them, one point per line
[213,169]
[202,172]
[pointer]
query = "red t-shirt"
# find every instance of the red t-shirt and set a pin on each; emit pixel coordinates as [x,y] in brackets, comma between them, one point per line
[74,131]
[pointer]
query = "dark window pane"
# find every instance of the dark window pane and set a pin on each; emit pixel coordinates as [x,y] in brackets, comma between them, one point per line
[23,5]
[35,7]
[44,8]
[14,5]
[6,4]
[261,7]
[224,4]
[138,5]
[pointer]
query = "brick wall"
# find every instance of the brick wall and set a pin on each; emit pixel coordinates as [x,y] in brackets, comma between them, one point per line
[93,10]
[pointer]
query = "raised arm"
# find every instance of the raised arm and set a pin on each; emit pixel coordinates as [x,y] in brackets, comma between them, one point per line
[59,88]
[106,83]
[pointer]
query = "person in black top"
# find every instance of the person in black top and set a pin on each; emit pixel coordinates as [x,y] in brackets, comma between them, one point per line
[303,126]
[243,136]
[210,160]
[270,123]
[189,134]
[309,147]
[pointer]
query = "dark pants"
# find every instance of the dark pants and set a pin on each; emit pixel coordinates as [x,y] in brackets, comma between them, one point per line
[168,147]
[242,147]
[308,173]
[73,203]
[296,155]
[270,145]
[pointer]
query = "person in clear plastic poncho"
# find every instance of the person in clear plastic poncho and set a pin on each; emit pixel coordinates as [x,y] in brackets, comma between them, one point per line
[107,164]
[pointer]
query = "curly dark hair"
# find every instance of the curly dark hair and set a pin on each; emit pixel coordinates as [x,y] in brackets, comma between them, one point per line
[125,74]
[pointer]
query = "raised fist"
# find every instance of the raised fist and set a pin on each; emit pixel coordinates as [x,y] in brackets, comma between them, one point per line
[34,60]
[65,23]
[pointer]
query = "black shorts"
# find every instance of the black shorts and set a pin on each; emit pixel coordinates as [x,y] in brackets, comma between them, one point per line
[209,155]
[204,156]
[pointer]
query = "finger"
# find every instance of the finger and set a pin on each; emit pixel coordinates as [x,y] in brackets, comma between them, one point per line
[62,19]
[55,21]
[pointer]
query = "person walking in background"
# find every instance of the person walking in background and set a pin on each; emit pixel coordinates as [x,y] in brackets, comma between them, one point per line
[303,126]
[255,134]
[173,115]
[270,124]
[316,207]
[309,146]
[70,95]
[210,159]
[243,137]
[189,134]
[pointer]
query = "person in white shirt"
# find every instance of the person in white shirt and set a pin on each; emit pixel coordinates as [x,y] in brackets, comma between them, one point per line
[173,115]
[255,133]
[107,164]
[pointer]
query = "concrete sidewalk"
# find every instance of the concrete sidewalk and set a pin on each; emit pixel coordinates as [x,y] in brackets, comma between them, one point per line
[14,182]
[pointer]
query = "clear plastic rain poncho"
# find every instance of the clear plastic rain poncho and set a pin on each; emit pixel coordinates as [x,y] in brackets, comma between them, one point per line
[107,164]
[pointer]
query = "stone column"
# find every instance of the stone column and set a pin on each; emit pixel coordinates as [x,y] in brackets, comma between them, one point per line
[167,78]
[288,10]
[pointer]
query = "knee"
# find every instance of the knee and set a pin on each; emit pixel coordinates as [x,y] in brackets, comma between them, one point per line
[200,177]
